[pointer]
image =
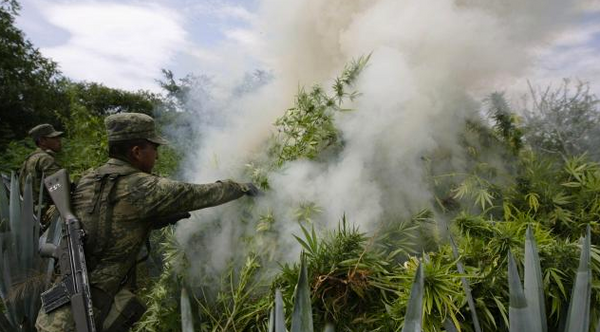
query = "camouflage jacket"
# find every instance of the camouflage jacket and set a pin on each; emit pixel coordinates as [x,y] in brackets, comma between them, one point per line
[37,163]
[118,205]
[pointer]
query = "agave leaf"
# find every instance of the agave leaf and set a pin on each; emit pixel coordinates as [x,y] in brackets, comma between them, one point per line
[414,312]
[578,318]
[5,325]
[38,218]
[302,320]
[10,308]
[279,321]
[271,320]
[518,312]
[466,287]
[3,287]
[40,201]
[329,328]
[12,253]
[15,202]
[54,235]
[534,286]
[4,211]
[25,242]
[187,321]
[28,251]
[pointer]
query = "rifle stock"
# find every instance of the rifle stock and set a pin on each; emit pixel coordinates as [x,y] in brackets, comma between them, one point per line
[59,188]
[74,286]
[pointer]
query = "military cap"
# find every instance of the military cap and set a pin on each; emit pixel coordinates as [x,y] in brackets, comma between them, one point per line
[128,126]
[44,130]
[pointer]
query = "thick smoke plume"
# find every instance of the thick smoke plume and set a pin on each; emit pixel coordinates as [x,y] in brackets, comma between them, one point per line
[431,62]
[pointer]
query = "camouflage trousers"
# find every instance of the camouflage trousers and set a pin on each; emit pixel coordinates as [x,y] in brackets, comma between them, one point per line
[120,315]
[60,320]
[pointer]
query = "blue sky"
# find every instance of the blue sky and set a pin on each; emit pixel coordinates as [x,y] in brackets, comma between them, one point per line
[125,43]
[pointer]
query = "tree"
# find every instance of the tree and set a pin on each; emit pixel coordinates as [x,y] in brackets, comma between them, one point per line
[30,90]
[102,100]
[564,121]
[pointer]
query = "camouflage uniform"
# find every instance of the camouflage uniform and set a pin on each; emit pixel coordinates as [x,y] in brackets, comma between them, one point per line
[118,205]
[39,162]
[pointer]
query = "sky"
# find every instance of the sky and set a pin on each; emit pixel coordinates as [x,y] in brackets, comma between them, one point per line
[125,44]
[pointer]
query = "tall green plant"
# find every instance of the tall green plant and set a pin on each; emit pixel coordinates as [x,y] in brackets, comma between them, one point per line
[302,320]
[22,271]
[413,321]
[578,318]
[534,286]
[519,315]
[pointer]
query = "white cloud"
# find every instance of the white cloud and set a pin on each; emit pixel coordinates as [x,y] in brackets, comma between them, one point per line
[243,36]
[123,46]
[572,55]
[578,35]
[223,11]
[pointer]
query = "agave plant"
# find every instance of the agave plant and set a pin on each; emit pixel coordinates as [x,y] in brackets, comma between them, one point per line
[413,321]
[302,320]
[527,311]
[22,270]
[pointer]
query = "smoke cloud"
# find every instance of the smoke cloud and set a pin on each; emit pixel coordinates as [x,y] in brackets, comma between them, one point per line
[431,61]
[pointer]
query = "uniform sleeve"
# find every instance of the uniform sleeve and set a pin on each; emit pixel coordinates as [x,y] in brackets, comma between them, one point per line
[162,198]
[48,165]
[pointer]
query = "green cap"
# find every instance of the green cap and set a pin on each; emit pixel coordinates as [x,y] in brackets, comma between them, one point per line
[128,126]
[44,130]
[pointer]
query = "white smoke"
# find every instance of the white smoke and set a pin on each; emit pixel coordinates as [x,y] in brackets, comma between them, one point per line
[430,61]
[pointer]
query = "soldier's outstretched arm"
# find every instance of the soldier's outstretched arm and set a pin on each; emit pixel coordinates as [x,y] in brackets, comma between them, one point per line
[162,197]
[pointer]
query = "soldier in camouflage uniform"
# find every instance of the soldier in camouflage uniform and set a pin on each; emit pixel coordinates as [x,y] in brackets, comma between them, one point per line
[41,161]
[118,204]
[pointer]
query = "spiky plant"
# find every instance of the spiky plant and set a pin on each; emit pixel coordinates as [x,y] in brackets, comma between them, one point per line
[22,270]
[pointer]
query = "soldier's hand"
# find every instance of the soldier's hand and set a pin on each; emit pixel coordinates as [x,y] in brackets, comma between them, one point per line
[252,190]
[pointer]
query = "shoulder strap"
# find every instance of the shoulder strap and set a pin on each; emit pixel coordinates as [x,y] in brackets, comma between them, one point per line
[101,208]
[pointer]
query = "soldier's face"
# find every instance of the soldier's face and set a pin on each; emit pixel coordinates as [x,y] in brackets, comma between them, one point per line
[146,156]
[52,143]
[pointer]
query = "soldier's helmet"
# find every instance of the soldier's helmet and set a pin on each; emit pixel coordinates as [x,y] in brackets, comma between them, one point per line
[44,130]
[129,126]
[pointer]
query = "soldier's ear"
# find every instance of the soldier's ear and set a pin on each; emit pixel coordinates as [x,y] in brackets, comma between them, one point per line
[41,142]
[135,152]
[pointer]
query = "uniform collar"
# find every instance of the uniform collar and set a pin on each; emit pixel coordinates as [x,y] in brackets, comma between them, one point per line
[119,163]
[40,150]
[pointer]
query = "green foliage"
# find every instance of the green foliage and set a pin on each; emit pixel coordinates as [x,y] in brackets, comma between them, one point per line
[85,145]
[30,92]
[307,129]
[102,100]
[161,314]
[15,154]
[237,307]
[505,122]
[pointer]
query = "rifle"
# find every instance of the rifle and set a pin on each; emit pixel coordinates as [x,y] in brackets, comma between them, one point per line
[74,286]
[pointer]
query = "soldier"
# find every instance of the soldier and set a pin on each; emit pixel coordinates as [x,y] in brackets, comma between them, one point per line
[118,204]
[41,161]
